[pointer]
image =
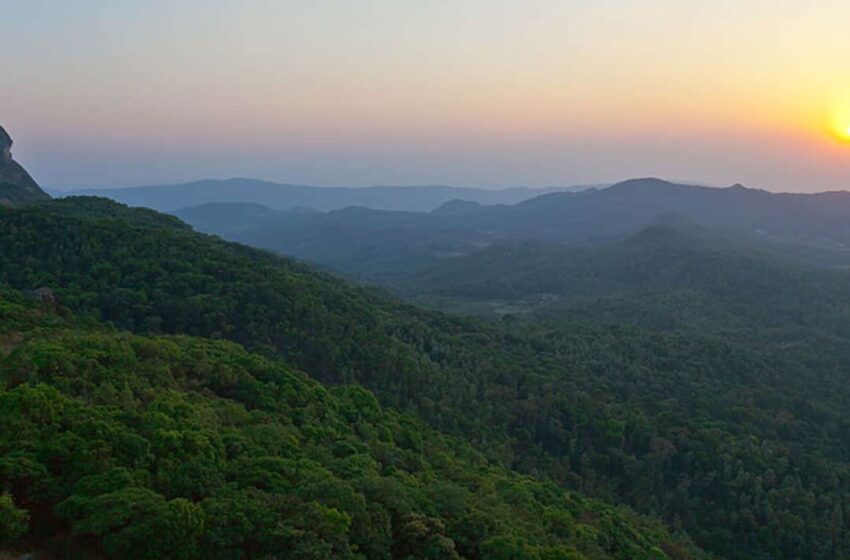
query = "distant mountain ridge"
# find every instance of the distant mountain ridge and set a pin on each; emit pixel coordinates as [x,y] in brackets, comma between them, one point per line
[457,207]
[370,243]
[280,196]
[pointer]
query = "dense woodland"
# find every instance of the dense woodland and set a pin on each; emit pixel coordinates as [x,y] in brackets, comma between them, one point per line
[737,441]
[179,447]
[705,276]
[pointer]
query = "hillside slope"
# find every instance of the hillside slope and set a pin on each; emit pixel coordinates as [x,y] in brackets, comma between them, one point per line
[740,444]
[690,273]
[122,446]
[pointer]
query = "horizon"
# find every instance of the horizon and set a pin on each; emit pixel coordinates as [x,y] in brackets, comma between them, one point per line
[512,94]
[74,190]
[563,188]
[77,188]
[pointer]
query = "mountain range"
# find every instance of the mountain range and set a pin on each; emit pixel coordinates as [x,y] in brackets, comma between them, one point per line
[283,196]
[378,244]
[665,378]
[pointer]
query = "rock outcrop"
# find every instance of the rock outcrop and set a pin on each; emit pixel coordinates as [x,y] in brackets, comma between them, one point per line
[44,296]
[16,185]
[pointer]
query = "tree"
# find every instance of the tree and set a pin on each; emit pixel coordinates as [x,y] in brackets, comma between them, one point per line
[14,522]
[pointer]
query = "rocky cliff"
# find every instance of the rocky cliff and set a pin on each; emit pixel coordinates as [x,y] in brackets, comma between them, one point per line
[16,185]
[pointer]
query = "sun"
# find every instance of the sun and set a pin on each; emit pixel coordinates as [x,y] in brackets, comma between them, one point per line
[841,130]
[841,125]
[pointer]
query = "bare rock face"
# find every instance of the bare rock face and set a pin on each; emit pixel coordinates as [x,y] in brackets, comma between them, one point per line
[5,145]
[16,185]
[44,296]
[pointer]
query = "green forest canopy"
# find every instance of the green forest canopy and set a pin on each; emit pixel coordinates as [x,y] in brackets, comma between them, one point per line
[739,442]
[182,447]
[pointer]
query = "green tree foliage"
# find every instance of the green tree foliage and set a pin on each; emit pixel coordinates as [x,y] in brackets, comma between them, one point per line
[179,447]
[14,521]
[738,440]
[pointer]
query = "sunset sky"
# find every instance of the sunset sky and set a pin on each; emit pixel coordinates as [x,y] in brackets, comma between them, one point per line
[488,93]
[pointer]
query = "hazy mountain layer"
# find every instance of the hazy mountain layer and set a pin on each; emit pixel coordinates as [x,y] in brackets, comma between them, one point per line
[282,196]
[377,245]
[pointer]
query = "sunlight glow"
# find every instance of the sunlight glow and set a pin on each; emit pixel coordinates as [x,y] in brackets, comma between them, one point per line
[334,93]
[841,125]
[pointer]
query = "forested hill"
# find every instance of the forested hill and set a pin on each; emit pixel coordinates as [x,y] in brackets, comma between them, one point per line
[130,447]
[687,273]
[742,446]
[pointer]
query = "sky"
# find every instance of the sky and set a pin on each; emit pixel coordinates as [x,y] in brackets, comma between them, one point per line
[490,93]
